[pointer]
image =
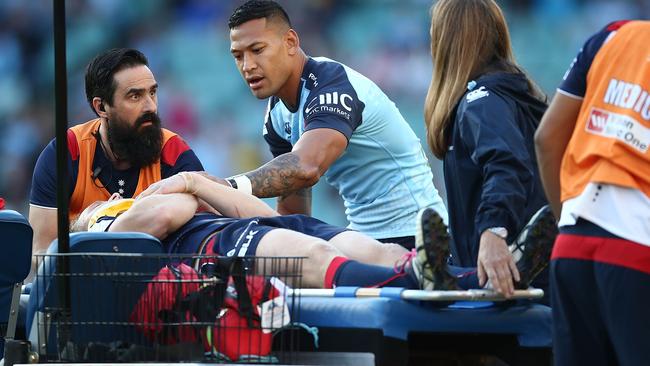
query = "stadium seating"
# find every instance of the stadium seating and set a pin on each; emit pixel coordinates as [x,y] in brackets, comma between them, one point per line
[14,263]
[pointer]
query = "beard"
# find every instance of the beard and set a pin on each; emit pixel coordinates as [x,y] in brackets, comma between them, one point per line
[139,145]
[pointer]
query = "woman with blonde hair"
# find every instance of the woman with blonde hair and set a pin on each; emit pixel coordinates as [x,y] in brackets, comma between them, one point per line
[481,113]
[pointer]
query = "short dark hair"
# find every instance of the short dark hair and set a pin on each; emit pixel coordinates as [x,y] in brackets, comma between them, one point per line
[99,72]
[257,9]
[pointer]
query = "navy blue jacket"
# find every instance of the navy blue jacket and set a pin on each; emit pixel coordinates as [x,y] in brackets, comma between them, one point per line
[490,167]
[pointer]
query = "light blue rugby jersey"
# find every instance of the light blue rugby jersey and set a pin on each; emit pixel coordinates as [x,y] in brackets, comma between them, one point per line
[383,176]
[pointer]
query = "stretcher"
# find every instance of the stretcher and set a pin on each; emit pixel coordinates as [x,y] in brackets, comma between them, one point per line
[449,329]
[396,317]
[391,313]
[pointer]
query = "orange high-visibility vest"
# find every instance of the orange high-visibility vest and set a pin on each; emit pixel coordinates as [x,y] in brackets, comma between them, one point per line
[611,138]
[82,144]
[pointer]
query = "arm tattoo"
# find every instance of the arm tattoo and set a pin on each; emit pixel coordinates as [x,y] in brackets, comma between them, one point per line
[279,177]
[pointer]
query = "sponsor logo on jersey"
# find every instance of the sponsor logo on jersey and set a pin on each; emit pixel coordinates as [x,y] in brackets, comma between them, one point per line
[629,96]
[244,247]
[477,94]
[330,103]
[619,126]
[313,78]
[247,243]
[247,236]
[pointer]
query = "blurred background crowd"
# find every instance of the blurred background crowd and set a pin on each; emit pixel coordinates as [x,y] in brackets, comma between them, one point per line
[201,94]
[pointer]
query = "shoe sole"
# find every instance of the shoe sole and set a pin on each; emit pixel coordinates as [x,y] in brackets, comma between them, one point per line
[433,269]
[543,233]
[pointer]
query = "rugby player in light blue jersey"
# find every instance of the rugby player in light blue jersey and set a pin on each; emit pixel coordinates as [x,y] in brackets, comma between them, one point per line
[325,119]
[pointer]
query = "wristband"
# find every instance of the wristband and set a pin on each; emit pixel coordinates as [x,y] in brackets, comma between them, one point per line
[241,183]
[232,182]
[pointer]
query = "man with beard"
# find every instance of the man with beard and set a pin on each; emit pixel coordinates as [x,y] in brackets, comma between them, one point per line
[123,151]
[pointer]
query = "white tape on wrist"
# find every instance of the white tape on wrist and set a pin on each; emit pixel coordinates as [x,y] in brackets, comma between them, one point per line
[243,183]
[189,183]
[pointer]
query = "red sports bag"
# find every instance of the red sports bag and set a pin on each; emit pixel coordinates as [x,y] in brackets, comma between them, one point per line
[236,320]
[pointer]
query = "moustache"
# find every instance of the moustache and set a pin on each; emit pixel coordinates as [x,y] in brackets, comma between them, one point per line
[148,117]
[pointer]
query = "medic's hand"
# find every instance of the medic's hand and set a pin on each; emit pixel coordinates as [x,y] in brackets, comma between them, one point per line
[495,263]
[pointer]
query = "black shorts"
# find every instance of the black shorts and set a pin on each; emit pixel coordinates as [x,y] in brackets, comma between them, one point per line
[242,237]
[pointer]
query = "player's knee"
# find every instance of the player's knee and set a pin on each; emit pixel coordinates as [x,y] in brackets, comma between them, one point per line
[319,258]
[392,249]
[386,254]
[323,252]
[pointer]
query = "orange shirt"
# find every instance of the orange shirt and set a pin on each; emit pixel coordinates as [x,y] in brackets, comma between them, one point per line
[611,138]
[85,192]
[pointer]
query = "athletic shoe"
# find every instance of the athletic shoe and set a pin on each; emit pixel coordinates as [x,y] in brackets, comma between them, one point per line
[432,248]
[534,245]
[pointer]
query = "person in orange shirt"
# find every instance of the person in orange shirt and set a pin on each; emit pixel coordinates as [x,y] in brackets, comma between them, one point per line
[122,151]
[592,148]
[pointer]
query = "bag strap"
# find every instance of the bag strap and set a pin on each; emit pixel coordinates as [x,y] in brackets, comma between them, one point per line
[206,303]
[243,296]
[172,315]
[267,291]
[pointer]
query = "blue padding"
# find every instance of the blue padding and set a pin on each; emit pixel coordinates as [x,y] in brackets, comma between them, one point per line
[471,305]
[345,291]
[397,318]
[392,292]
[98,299]
[15,261]
[16,237]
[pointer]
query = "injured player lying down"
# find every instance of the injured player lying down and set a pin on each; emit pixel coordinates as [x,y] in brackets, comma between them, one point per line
[239,224]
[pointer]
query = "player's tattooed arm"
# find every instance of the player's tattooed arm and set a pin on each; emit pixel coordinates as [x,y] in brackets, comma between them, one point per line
[281,177]
[301,168]
[298,202]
